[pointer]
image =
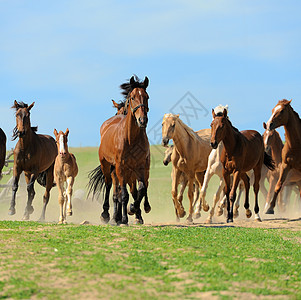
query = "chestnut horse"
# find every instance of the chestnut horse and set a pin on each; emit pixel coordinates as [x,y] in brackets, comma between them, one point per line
[35,155]
[2,150]
[124,147]
[243,151]
[65,170]
[284,115]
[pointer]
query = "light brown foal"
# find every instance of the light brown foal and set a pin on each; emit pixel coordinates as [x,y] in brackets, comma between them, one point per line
[65,170]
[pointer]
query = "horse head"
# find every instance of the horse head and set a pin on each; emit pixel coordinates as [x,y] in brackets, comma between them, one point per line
[218,127]
[168,128]
[22,118]
[62,142]
[280,114]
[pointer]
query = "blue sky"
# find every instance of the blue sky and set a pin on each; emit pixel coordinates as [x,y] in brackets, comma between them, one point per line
[71,56]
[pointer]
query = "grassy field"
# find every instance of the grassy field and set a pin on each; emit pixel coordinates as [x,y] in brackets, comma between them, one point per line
[160,260]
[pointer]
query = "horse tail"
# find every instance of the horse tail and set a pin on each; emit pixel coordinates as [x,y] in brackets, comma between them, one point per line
[42,177]
[96,182]
[268,161]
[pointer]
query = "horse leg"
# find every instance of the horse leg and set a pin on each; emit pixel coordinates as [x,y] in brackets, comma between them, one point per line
[245,178]
[236,206]
[272,184]
[183,181]
[189,219]
[216,198]
[134,192]
[30,179]
[199,176]
[69,190]
[49,184]
[124,203]
[61,200]
[284,169]
[226,176]
[141,193]
[232,196]
[106,169]
[257,175]
[12,209]
[179,209]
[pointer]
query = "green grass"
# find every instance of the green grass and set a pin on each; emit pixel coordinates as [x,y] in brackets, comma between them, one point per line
[51,261]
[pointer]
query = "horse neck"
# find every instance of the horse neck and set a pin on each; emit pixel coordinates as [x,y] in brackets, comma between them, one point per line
[26,141]
[230,139]
[180,140]
[293,131]
[276,150]
[132,128]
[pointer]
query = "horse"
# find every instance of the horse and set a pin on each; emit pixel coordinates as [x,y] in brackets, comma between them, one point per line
[243,151]
[35,155]
[65,170]
[124,148]
[183,178]
[192,151]
[2,150]
[284,115]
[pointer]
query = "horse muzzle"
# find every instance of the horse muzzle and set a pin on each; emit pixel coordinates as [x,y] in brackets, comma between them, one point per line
[142,122]
[21,133]
[165,162]
[214,144]
[165,141]
[271,126]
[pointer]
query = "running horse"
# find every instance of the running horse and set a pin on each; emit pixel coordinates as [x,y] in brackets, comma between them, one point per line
[243,151]
[65,170]
[284,115]
[124,154]
[35,155]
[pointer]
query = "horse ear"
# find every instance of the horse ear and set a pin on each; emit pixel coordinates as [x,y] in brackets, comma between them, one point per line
[178,115]
[30,106]
[67,132]
[132,80]
[115,104]
[225,113]
[289,102]
[264,125]
[145,82]
[55,132]
[213,113]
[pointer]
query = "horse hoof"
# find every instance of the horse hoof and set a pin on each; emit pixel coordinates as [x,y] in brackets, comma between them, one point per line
[138,221]
[131,209]
[248,213]
[147,208]
[206,207]
[123,224]
[220,211]
[60,222]
[208,221]
[30,210]
[104,220]
[69,213]
[11,211]
[182,213]
[270,211]
[236,214]
[230,220]
[258,219]
[197,215]
[25,217]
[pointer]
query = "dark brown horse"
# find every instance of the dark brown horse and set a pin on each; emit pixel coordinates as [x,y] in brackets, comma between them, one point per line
[2,150]
[124,153]
[243,151]
[284,115]
[35,155]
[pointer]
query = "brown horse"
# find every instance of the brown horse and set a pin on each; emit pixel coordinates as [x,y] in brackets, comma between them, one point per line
[65,170]
[284,115]
[2,150]
[34,154]
[124,147]
[243,151]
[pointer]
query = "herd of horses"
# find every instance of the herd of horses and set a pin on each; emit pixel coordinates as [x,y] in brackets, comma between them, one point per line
[238,158]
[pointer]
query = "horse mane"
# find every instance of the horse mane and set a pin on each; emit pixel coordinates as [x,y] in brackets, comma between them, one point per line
[20,104]
[15,132]
[189,130]
[121,104]
[127,87]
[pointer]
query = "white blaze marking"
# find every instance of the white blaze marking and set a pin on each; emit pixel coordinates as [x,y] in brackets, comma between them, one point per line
[266,138]
[62,146]
[140,93]
[278,107]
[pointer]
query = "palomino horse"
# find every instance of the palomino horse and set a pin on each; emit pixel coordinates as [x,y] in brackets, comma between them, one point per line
[183,178]
[192,151]
[65,170]
[242,152]
[35,155]
[284,115]
[124,147]
[2,150]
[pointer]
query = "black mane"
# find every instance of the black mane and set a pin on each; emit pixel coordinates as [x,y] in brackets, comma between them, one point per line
[20,104]
[128,87]
[16,132]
